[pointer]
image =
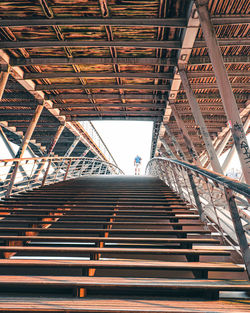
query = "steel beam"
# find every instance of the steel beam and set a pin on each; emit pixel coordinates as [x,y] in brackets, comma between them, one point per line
[184,132]
[233,151]
[171,44]
[197,60]
[114,113]
[177,22]
[77,96]
[225,89]
[11,151]
[224,42]
[4,75]
[117,118]
[206,85]
[200,121]
[103,105]
[232,59]
[26,44]
[201,74]
[111,86]
[25,142]
[59,74]
[90,61]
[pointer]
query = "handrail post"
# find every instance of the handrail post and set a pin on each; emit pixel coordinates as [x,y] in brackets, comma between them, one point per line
[67,170]
[196,196]
[12,179]
[239,231]
[46,173]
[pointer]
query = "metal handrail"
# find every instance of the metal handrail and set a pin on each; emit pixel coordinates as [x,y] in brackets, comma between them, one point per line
[41,171]
[226,181]
[219,199]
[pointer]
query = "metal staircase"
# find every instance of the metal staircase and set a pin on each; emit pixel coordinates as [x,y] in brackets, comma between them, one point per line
[114,244]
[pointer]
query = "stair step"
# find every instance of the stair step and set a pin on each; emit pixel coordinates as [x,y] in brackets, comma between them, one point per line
[129,304]
[101,230]
[153,265]
[64,250]
[124,282]
[112,239]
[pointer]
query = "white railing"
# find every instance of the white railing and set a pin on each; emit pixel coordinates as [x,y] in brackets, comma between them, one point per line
[221,201]
[17,175]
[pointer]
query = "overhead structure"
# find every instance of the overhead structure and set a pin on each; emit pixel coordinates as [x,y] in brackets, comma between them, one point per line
[119,61]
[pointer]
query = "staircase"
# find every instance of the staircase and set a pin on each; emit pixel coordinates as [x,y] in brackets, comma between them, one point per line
[114,244]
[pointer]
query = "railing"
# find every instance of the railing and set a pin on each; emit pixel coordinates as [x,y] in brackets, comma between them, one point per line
[18,175]
[221,201]
[93,133]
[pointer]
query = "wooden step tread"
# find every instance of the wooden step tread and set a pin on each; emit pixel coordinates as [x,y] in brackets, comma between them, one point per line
[215,266]
[115,250]
[101,230]
[124,282]
[18,214]
[120,305]
[13,221]
[113,239]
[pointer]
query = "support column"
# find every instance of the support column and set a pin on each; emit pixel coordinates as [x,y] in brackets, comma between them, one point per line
[200,121]
[13,170]
[184,132]
[4,75]
[225,89]
[233,151]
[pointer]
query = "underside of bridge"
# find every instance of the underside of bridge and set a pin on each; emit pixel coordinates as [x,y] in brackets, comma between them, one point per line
[124,244]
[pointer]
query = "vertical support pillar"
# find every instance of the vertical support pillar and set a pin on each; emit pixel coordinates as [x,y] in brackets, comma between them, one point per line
[184,132]
[200,121]
[239,231]
[4,75]
[225,89]
[233,149]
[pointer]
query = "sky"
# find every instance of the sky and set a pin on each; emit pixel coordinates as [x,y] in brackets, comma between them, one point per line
[126,139]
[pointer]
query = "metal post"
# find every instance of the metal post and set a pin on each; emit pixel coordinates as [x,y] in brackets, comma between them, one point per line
[184,132]
[225,89]
[239,231]
[4,75]
[200,121]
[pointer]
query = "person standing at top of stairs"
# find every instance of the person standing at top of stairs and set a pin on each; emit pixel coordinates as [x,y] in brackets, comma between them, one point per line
[137,164]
